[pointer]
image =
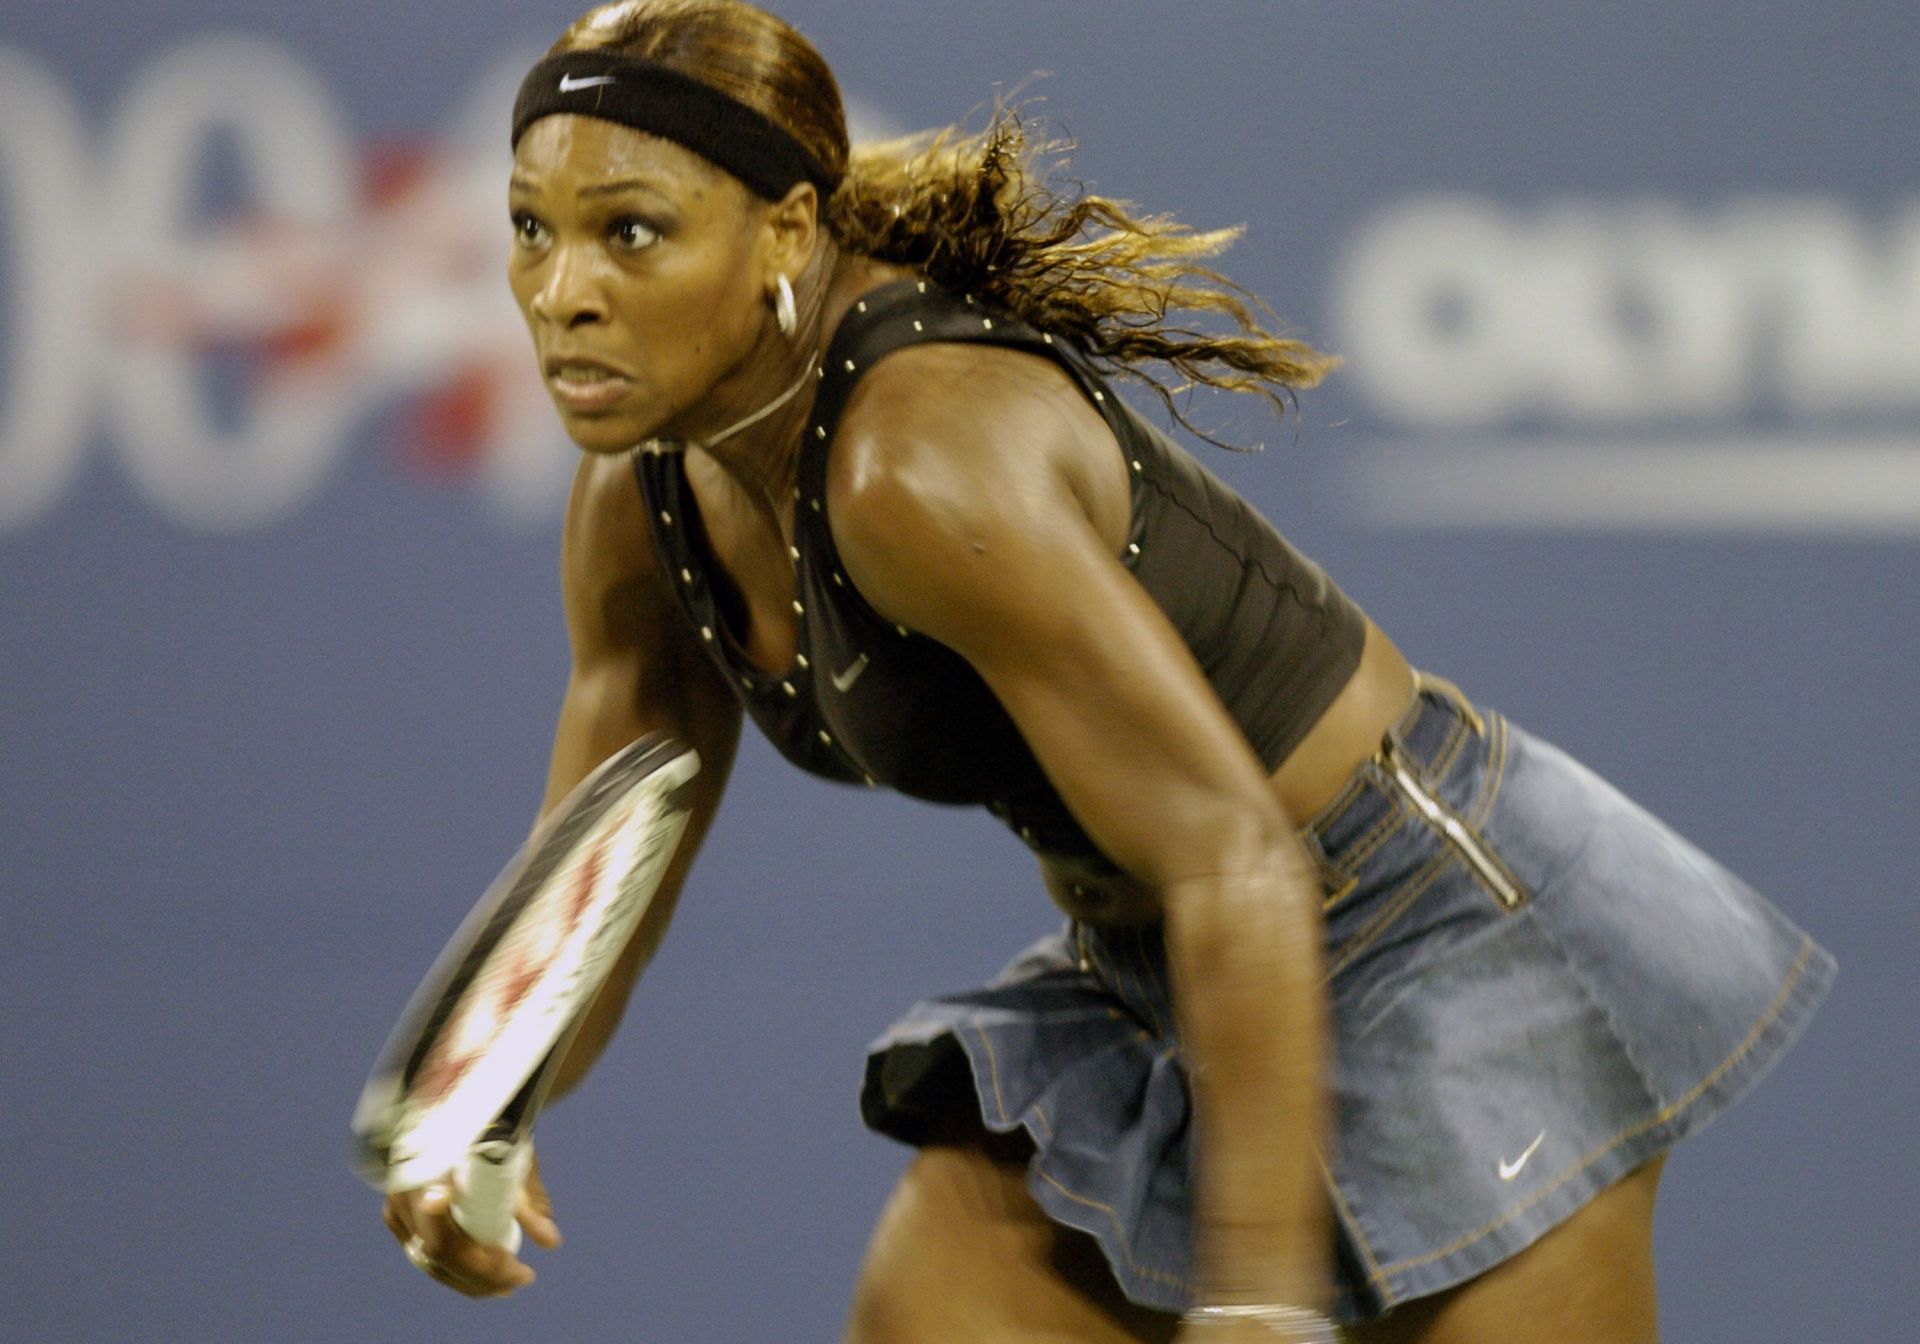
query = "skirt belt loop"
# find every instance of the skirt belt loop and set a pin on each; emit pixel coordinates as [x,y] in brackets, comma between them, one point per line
[1427,681]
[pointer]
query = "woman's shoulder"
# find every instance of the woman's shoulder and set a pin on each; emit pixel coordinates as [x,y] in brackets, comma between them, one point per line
[954,417]
[606,512]
[609,562]
[956,391]
[909,353]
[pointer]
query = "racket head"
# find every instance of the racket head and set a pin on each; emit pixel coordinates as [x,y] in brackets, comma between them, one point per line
[469,1056]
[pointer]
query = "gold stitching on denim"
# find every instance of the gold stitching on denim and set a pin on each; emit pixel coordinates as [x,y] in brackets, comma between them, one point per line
[1126,1251]
[1361,850]
[1339,803]
[993,1071]
[1479,849]
[1415,887]
[1659,1117]
[1339,894]
[1449,750]
[1441,764]
[1436,765]
[1335,881]
[1496,775]
[1335,886]
[1375,1274]
[1463,719]
[1120,1240]
[1428,681]
[1381,831]
[1364,849]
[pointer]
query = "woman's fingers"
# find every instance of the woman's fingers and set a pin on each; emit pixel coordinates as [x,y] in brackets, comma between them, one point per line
[422,1222]
[535,1210]
[390,1215]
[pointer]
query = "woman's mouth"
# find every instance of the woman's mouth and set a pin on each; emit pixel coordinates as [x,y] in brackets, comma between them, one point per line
[583,386]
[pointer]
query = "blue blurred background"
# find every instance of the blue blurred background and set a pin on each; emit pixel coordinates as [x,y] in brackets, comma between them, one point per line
[1628,444]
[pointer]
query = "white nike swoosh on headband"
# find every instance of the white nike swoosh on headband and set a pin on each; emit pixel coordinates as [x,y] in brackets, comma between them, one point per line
[568,83]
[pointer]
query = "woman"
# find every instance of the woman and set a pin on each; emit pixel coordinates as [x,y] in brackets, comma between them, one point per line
[852,462]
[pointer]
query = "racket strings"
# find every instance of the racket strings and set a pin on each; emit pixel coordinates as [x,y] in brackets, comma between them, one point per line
[530,952]
[484,1030]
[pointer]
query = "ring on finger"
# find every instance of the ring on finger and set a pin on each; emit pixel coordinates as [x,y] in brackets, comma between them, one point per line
[416,1250]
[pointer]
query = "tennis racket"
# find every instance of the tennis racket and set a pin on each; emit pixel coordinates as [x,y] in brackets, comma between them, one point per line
[465,1072]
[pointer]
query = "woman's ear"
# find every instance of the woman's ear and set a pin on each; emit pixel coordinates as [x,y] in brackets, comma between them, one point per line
[792,225]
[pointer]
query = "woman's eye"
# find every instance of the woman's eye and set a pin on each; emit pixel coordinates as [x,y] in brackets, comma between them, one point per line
[529,231]
[634,234]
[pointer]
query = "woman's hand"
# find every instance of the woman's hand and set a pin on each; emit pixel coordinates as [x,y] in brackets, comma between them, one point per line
[422,1223]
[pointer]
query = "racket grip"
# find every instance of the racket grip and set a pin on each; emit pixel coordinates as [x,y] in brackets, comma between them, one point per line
[486,1190]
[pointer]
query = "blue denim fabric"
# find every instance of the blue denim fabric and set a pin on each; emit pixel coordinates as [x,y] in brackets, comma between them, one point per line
[1524,1011]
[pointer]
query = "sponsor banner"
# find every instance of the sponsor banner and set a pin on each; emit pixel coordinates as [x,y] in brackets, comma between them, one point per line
[228,355]
[1594,363]
[1753,363]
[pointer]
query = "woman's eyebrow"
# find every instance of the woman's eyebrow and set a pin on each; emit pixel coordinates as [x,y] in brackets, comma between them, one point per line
[620,185]
[613,188]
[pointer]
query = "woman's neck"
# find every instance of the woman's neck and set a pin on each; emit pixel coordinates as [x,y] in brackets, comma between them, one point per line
[757,439]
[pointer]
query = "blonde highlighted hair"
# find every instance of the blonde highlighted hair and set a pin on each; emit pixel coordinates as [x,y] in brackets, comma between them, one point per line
[981,212]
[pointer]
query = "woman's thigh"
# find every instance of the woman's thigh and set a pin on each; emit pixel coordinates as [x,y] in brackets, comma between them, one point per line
[1589,1279]
[963,1255]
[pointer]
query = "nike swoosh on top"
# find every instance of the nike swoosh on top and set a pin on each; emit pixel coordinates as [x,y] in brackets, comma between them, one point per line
[1509,1170]
[568,83]
[843,681]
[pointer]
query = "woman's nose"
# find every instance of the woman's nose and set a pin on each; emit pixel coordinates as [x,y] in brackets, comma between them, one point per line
[569,298]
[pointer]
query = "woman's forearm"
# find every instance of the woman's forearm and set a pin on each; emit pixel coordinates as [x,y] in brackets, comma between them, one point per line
[609,1006]
[1244,949]
[586,737]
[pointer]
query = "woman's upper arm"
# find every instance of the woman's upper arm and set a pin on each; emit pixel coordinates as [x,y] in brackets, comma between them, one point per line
[958,515]
[635,666]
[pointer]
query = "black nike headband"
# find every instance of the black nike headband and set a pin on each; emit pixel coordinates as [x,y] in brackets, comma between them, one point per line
[676,107]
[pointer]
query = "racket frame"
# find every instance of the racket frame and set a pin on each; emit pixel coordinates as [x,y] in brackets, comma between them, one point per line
[400,1144]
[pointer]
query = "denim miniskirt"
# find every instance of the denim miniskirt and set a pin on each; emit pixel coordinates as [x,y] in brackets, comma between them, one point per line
[1536,987]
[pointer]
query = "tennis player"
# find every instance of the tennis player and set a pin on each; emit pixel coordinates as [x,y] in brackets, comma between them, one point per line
[1370,1006]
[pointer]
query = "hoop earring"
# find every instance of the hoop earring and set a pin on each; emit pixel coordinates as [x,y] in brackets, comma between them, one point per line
[786,315]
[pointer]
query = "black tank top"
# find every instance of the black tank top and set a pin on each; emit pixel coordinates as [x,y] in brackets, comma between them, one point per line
[869,701]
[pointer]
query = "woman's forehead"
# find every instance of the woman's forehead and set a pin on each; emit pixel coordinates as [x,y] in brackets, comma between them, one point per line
[570,153]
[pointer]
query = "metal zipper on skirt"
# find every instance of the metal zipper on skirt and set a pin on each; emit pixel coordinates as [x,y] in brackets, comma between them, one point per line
[1454,829]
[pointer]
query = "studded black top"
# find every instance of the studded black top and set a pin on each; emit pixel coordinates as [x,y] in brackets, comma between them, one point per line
[868,701]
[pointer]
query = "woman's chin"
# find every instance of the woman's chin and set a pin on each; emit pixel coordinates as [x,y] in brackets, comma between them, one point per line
[602,435]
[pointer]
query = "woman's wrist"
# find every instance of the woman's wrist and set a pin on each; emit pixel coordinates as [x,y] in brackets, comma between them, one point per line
[1255,1262]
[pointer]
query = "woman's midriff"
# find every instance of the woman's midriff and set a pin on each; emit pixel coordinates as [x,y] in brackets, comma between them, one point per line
[1345,735]
[1349,731]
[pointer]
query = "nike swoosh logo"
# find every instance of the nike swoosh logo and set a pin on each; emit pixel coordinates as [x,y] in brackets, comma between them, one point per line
[1509,1170]
[843,681]
[569,84]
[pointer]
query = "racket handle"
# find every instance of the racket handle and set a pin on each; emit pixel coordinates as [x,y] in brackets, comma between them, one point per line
[486,1190]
